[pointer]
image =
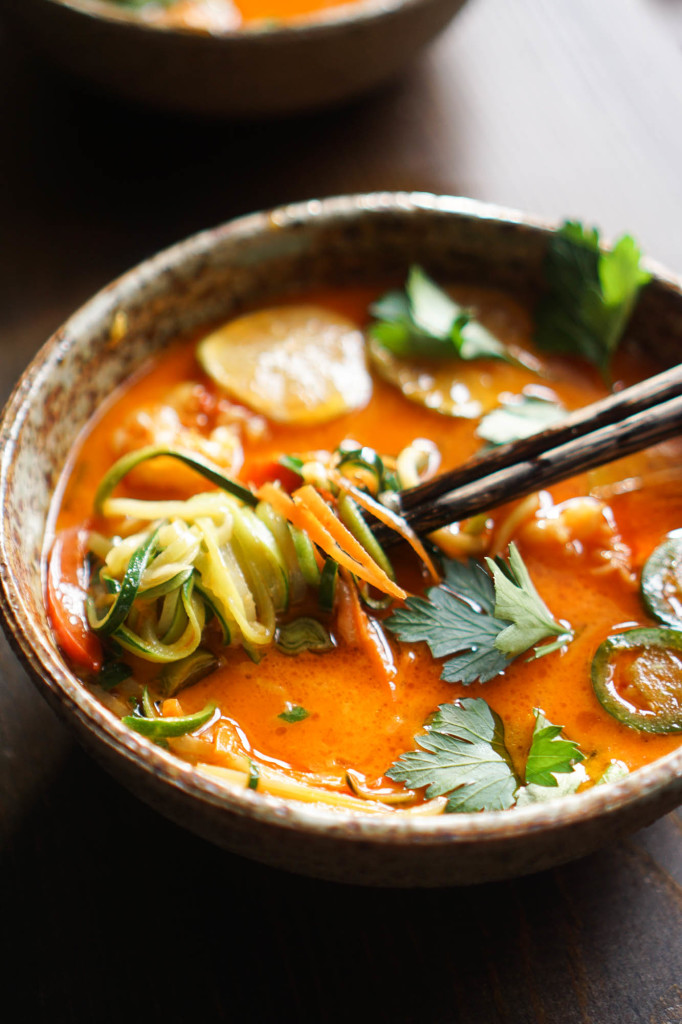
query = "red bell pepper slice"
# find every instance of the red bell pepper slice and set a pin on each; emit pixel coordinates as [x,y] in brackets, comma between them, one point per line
[67,582]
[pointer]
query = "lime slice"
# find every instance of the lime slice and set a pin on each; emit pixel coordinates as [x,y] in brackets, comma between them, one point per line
[294,364]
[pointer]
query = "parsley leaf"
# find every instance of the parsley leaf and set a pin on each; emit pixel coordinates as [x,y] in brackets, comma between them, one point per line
[462,625]
[485,623]
[424,321]
[462,754]
[549,753]
[518,602]
[591,294]
[294,713]
[518,418]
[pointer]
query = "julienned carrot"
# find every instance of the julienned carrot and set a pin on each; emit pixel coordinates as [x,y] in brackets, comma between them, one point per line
[310,499]
[367,570]
[368,639]
[389,518]
[300,516]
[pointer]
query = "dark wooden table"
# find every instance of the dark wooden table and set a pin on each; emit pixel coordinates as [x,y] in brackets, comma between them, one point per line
[108,912]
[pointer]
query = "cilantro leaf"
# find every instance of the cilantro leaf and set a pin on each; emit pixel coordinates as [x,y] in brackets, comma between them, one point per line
[294,713]
[462,754]
[483,623]
[519,418]
[451,625]
[470,581]
[518,602]
[549,754]
[591,294]
[424,321]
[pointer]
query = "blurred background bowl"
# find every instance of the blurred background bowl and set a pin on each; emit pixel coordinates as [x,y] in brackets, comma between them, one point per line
[295,66]
[209,277]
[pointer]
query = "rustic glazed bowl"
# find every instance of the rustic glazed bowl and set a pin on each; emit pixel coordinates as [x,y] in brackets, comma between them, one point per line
[214,275]
[292,67]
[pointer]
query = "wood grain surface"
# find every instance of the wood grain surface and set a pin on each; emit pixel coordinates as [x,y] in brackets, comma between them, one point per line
[107,911]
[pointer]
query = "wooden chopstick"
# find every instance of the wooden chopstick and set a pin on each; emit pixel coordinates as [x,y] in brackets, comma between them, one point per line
[616,426]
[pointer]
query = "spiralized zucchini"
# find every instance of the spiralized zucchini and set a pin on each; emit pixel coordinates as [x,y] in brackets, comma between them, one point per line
[188,580]
[221,556]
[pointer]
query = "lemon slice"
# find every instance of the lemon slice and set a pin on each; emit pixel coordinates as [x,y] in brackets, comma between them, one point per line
[294,364]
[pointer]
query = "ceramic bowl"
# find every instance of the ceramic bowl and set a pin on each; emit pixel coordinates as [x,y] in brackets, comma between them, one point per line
[215,275]
[297,66]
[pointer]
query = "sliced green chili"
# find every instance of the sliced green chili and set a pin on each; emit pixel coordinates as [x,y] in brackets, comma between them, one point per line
[645,692]
[662,581]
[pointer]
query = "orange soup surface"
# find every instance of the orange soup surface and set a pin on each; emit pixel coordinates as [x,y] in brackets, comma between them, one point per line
[226,15]
[584,543]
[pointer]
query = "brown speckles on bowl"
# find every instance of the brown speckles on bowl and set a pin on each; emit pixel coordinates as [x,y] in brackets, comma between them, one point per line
[214,275]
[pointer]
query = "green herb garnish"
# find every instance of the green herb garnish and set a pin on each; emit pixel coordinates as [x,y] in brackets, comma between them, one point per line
[549,753]
[518,602]
[463,754]
[294,713]
[519,418]
[485,623]
[591,294]
[424,321]
[254,775]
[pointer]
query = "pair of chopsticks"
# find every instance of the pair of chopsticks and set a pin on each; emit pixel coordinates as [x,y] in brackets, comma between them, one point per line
[614,427]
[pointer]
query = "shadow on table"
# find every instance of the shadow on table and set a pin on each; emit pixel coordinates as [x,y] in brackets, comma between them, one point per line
[107,906]
[89,185]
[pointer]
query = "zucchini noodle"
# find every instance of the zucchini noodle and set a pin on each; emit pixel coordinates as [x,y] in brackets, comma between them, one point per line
[186,581]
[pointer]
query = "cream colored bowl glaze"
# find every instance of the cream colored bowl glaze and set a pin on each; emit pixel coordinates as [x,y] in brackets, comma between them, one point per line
[298,66]
[214,275]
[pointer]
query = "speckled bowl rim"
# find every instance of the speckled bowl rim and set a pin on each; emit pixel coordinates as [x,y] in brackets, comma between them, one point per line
[29,639]
[354,12]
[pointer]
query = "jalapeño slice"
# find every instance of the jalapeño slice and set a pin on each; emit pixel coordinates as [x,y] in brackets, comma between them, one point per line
[637,677]
[662,581]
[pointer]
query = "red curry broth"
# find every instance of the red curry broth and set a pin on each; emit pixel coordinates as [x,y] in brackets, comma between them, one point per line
[358,718]
[226,15]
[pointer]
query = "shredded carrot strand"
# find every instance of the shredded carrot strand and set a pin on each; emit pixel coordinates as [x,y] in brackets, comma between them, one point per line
[301,516]
[303,519]
[367,638]
[375,575]
[388,518]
